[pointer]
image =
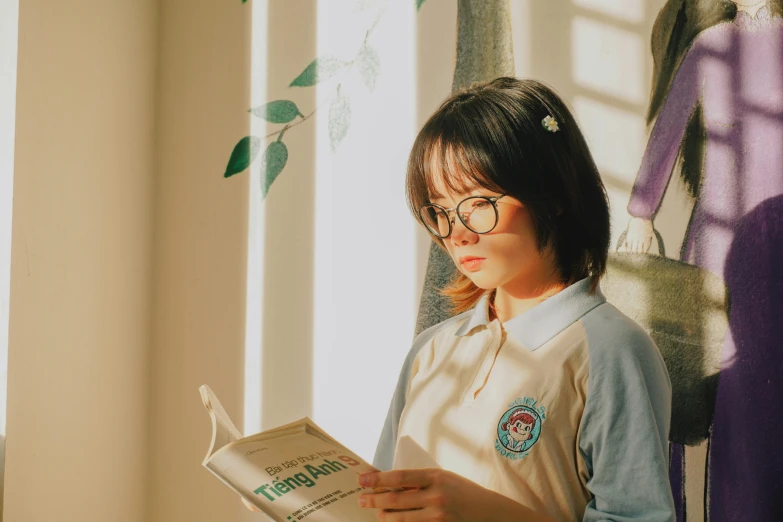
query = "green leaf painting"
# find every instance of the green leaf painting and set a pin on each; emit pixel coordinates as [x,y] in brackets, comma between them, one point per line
[284,112]
[279,111]
[369,65]
[272,163]
[243,155]
[339,119]
[319,70]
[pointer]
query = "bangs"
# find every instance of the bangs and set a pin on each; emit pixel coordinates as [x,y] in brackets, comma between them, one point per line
[450,168]
[447,159]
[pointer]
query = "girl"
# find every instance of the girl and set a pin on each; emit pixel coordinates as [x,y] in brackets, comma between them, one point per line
[502,179]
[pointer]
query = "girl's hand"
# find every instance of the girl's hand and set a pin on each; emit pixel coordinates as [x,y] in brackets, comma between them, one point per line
[638,237]
[436,494]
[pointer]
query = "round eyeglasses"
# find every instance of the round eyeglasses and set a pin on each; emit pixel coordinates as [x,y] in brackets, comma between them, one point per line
[478,213]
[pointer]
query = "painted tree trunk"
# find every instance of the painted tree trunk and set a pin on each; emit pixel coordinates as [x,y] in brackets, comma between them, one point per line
[484,52]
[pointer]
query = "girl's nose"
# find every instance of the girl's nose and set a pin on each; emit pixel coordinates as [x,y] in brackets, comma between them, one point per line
[461,234]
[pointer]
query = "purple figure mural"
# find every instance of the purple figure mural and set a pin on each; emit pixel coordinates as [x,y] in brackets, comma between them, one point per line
[717,107]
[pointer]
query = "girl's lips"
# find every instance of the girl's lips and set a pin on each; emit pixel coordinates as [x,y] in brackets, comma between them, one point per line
[473,264]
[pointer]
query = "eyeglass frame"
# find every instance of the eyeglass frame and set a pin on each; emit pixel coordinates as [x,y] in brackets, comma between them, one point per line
[492,199]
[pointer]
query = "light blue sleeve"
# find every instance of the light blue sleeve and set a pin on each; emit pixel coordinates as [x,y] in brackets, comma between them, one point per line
[384,452]
[625,425]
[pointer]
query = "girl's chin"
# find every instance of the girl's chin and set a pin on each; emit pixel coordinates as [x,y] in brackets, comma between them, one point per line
[483,281]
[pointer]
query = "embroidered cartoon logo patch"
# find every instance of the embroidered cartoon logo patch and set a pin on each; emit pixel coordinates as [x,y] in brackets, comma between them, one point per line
[519,428]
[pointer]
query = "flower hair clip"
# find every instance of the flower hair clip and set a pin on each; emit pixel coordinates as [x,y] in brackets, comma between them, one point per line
[550,124]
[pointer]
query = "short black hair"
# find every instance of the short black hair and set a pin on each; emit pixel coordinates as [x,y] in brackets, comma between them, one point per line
[493,134]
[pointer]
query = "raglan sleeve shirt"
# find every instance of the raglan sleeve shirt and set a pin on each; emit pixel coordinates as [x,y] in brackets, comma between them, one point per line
[625,425]
[621,436]
[384,452]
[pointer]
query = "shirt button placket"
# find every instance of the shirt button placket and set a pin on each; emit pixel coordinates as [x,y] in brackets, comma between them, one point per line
[491,346]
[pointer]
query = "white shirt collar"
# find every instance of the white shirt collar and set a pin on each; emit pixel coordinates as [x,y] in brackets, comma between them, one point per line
[548,318]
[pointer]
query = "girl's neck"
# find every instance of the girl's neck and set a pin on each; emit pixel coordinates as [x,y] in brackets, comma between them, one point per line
[505,304]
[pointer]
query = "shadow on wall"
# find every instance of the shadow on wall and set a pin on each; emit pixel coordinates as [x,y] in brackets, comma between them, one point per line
[755,320]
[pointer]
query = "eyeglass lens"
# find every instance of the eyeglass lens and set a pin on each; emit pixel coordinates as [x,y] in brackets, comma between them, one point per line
[476,213]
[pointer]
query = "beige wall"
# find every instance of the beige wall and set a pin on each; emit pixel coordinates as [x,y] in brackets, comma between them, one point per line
[79,328]
[128,257]
[200,254]
[289,236]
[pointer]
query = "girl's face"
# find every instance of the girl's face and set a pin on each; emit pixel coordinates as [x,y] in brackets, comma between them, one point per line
[520,431]
[507,256]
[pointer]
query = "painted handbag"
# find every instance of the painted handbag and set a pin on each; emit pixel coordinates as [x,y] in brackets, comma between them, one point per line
[685,310]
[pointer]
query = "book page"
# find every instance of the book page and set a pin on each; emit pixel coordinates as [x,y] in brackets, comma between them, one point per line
[304,424]
[223,430]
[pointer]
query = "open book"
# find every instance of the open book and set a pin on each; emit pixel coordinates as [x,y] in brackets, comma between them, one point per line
[292,472]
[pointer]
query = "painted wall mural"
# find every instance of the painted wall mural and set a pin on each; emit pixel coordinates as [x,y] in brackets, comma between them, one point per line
[717,108]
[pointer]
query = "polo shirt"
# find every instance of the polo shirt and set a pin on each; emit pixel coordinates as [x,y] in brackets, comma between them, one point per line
[564,408]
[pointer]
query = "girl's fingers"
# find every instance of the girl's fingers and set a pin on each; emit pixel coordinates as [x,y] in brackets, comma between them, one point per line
[411,499]
[398,478]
